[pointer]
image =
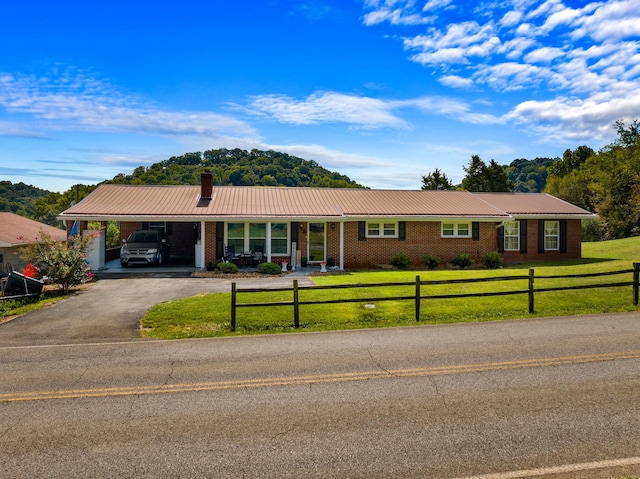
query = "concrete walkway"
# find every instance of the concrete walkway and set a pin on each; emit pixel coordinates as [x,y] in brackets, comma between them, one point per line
[111,309]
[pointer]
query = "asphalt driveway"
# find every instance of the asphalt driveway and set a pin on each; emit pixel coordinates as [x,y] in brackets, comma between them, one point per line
[111,309]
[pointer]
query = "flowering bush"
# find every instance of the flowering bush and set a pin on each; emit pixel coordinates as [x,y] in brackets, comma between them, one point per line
[63,262]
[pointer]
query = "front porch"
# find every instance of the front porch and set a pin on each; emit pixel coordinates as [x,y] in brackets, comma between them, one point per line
[175,268]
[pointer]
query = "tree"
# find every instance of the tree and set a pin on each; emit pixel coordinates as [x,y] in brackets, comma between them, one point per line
[628,137]
[481,177]
[529,176]
[63,262]
[606,182]
[474,180]
[570,161]
[436,181]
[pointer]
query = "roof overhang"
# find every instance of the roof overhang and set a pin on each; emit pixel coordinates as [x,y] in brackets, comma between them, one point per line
[337,218]
[556,216]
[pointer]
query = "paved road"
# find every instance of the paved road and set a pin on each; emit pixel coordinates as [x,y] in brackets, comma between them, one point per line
[555,397]
[110,310]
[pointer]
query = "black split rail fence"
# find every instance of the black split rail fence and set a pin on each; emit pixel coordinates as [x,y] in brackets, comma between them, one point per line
[418,296]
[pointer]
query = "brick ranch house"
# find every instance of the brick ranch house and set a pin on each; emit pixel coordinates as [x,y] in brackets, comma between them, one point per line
[358,228]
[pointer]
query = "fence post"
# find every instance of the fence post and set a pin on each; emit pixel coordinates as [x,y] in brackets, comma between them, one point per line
[636,282]
[417,298]
[531,278]
[296,306]
[233,306]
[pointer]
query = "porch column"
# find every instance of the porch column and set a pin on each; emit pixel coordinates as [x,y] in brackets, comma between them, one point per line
[342,246]
[202,246]
[268,245]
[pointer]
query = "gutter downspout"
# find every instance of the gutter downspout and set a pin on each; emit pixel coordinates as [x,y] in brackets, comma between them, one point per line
[202,244]
[342,246]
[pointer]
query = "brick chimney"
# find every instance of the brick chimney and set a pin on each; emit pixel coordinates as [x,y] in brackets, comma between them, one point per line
[206,185]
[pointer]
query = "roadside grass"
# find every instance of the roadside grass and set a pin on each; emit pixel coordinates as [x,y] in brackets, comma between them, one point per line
[209,315]
[16,307]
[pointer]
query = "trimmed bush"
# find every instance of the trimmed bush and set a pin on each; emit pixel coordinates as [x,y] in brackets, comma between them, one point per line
[269,268]
[430,261]
[400,261]
[492,260]
[228,268]
[463,260]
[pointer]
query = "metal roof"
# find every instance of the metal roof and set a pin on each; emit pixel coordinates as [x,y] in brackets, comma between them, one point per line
[16,230]
[122,202]
[532,204]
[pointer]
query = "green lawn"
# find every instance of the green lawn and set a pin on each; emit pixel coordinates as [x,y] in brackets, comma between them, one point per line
[209,315]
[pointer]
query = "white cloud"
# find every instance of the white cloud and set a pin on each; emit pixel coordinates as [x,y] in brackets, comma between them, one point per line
[511,18]
[544,55]
[18,130]
[361,112]
[435,4]
[587,56]
[85,103]
[401,12]
[609,21]
[511,76]
[455,81]
[456,45]
[328,107]
[573,118]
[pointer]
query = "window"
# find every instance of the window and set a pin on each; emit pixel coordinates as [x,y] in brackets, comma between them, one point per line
[456,230]
[235,236]
[382,230]
[257,236]
[512,236]
[245,237]
[279,238]
[551,235]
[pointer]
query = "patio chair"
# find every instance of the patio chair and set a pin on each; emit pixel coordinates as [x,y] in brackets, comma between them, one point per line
[258,256]
[230,255]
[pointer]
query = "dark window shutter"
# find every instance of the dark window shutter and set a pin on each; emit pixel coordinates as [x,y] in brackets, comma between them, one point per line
[501,239]
[475,231]
[219,239]
[523,236]
[540,236]
[402,230]
[563,236]
[362,230]
[294,232]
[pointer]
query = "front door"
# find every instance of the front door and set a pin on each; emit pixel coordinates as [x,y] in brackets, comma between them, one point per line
[316,242]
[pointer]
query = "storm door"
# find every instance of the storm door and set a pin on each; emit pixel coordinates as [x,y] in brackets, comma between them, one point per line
[316,243]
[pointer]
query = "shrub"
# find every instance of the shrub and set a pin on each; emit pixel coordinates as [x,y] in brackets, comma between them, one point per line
[430,261]
[228,268]
[463,260]
[592,230]
[63,262]
[269,268]
[492,260]
[400,261]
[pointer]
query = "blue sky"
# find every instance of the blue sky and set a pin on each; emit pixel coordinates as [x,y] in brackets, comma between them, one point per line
[382,91]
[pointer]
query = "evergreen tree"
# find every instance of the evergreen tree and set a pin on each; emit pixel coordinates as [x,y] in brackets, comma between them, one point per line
[436,180]
[481,177]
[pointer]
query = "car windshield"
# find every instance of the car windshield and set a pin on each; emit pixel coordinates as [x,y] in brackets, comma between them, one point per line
[143,238]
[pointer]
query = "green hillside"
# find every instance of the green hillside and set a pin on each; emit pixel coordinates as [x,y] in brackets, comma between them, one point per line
[239,168]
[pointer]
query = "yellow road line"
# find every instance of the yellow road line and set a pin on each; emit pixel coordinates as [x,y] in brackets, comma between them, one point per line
[315,379]
[564,469]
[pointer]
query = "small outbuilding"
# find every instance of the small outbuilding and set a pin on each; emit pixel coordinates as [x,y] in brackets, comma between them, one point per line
[16,232]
